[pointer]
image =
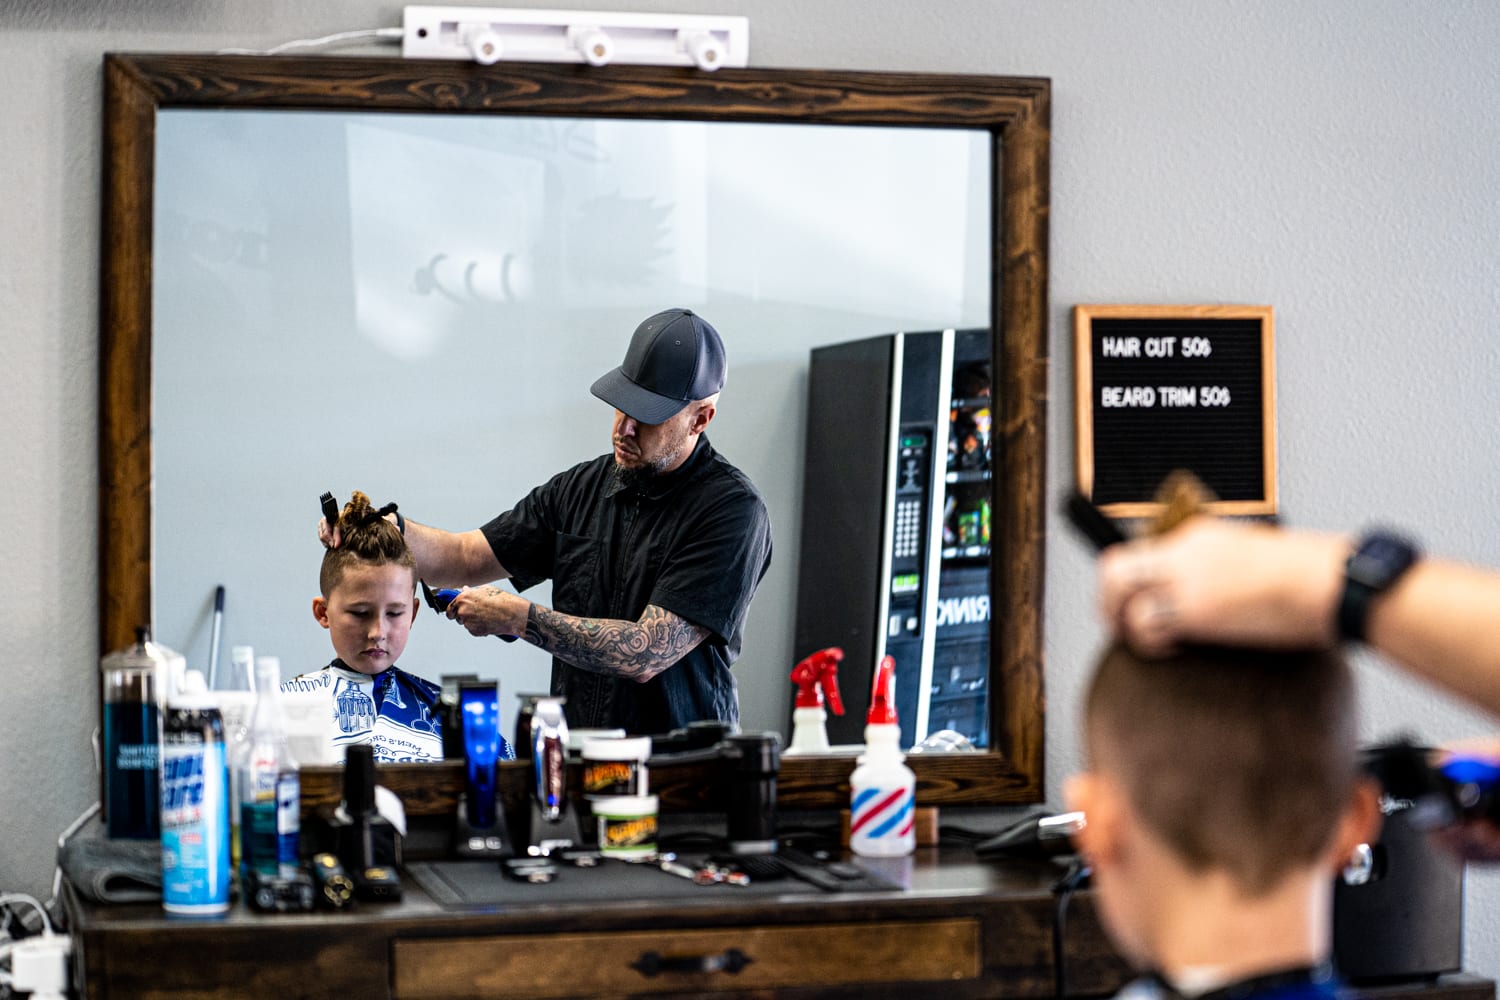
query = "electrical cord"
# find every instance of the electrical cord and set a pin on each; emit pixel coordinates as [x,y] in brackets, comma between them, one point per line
[1075,877]
[962,835]
[378,34]
[62,841]
[7,898]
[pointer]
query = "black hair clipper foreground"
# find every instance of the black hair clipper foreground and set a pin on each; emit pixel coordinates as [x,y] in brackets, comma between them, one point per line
[367,846]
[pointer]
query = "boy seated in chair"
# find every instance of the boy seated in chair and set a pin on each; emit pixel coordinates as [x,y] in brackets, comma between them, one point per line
[1223,796]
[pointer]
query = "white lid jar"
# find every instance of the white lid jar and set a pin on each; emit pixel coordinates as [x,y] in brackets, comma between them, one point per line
[615,767]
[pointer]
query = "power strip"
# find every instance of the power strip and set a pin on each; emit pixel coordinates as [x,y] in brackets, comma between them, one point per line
[489,34]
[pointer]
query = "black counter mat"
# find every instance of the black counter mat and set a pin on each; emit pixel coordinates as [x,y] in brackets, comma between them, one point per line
[469,884]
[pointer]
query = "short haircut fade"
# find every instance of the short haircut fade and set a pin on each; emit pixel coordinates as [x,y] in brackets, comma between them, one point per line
[1240,760]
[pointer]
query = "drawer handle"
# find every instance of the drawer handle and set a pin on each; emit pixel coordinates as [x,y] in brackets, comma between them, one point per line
[653,963]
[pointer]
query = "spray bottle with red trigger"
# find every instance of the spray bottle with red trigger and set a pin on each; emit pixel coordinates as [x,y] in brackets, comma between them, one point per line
[882,810]
[815,677]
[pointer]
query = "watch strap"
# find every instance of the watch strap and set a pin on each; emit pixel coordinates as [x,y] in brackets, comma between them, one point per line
[1378,561]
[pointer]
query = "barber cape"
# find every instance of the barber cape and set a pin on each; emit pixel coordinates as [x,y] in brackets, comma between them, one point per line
[393,711]
[1318,982]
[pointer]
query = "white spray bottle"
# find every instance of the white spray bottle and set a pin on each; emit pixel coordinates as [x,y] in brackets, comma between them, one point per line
[882,807]
[815,676]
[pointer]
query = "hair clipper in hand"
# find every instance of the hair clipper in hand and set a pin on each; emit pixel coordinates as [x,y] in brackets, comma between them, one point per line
[438,600]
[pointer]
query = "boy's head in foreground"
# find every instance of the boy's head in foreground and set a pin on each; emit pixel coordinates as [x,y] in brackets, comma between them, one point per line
[368,584]
[1223,794]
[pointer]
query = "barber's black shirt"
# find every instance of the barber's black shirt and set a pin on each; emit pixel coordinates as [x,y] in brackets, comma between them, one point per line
[696,541]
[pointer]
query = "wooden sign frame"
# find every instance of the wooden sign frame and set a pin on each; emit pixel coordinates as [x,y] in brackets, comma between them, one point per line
[1203,322]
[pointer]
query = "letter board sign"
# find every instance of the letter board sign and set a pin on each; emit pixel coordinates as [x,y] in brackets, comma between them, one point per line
[1160,388]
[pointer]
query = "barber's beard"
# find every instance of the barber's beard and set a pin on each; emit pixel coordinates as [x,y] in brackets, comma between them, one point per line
[643,474]
[634,478]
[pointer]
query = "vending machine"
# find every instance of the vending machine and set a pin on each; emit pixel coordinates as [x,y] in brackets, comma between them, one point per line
[896,526]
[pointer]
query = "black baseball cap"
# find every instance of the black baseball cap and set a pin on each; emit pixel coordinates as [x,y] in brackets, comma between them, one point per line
[674,358]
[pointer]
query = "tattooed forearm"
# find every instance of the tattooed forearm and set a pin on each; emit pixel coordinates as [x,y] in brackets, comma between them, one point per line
[638,650]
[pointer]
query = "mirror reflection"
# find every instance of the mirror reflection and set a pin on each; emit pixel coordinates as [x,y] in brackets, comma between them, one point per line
[416,305]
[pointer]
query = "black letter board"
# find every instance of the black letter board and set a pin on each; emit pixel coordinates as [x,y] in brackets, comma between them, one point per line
[1175,387]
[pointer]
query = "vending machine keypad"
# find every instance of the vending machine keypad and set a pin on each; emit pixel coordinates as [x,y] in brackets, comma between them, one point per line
[908,537]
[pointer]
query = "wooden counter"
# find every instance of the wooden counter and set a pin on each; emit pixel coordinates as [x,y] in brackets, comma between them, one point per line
[962,928]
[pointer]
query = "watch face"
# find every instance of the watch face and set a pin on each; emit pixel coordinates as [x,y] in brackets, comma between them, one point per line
[1379,560]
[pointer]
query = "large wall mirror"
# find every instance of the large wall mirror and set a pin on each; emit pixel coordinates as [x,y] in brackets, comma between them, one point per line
[336,273]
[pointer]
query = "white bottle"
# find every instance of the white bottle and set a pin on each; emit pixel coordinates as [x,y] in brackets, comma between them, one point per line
[270,791]
[814,676]
[809,731]
[882,789]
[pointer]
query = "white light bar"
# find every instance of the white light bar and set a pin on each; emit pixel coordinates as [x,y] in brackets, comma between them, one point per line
[489,34]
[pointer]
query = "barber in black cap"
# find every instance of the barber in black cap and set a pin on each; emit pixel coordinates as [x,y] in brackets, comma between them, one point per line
[654,551]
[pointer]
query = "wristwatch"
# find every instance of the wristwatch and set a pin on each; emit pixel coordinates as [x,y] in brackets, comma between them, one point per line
[1378,561]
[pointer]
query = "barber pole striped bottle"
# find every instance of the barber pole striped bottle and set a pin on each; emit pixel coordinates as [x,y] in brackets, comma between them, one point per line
[881,820]
[882,788]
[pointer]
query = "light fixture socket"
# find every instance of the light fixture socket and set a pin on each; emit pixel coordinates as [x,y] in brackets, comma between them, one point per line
[594,44]
[483,43]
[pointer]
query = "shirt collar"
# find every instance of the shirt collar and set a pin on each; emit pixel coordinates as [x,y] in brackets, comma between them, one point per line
[349,673]
[659,486]
[380,680]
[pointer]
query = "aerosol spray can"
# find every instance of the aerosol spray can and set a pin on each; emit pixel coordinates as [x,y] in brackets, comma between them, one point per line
[195,869]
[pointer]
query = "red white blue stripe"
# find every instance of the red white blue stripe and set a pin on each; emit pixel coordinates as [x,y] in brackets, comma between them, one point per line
[882,812]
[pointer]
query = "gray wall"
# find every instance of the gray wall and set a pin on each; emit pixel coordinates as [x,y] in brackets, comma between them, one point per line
[1333,159]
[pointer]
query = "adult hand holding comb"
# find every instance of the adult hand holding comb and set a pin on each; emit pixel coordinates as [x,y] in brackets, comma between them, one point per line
[1197,578]
[328,528]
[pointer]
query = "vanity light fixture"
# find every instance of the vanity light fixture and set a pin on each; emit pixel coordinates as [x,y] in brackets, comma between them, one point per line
[489,34]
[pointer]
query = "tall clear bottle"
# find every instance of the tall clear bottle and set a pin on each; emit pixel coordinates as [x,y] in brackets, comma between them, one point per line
[270,790]
[237,742]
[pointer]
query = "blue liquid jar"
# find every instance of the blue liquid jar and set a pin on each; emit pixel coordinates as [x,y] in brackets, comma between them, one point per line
[132,742]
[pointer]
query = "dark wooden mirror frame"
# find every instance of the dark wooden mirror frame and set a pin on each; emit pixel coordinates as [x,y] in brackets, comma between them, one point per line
[1016,113]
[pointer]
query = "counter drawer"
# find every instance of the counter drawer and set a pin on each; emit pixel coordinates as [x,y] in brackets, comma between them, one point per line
[667,961]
